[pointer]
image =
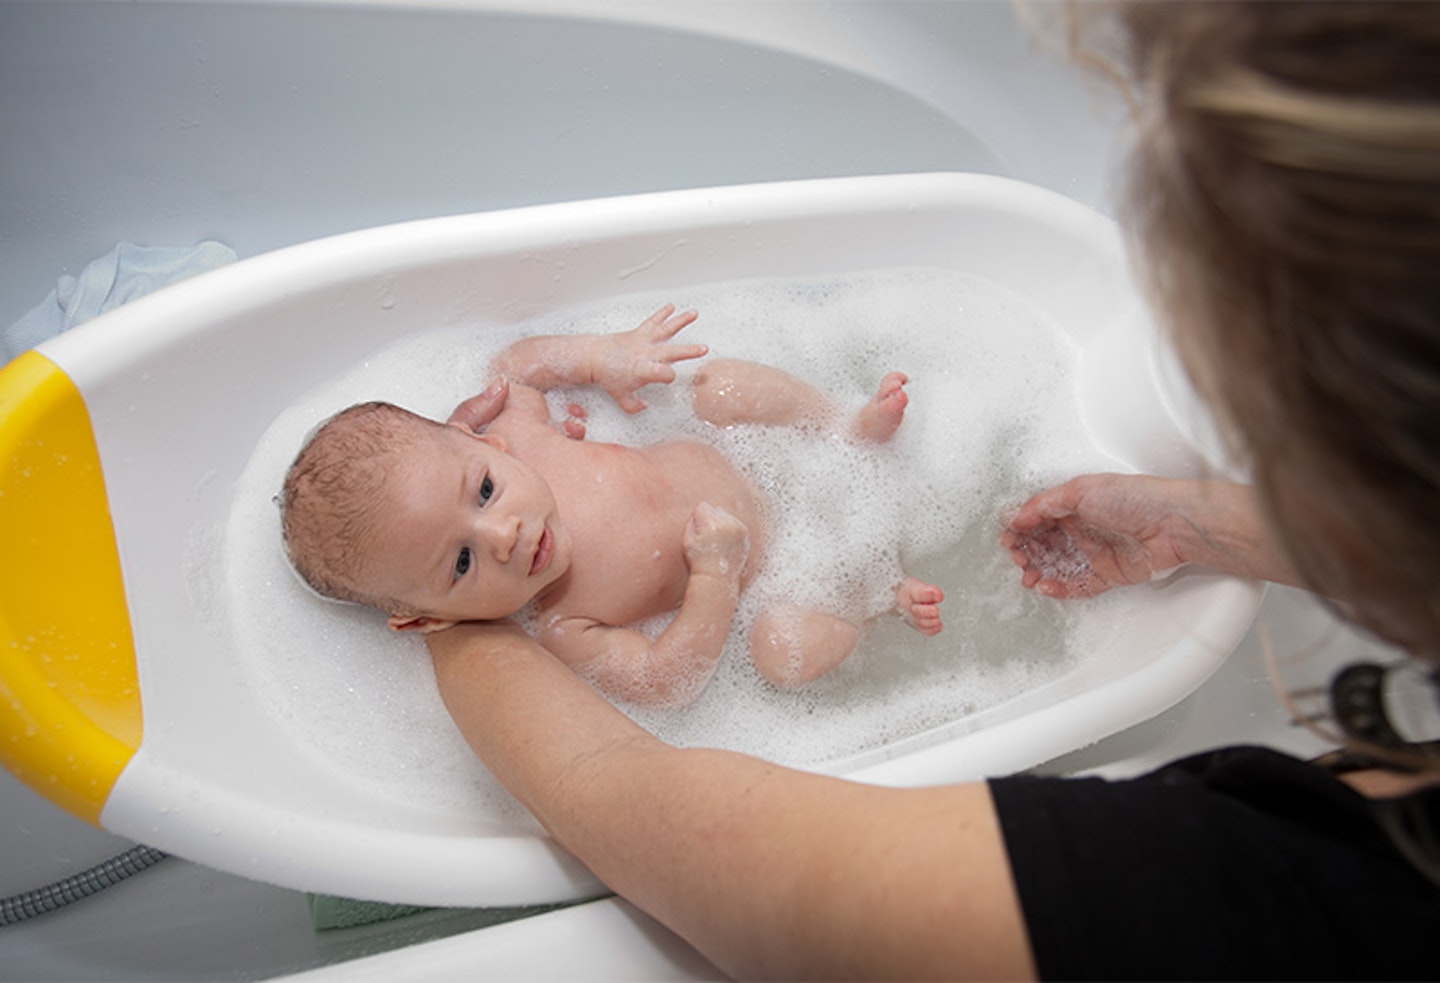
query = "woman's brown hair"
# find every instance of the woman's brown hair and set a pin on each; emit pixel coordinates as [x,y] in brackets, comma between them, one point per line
[1285,207]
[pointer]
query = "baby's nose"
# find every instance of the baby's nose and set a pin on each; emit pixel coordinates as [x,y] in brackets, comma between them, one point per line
[504,534]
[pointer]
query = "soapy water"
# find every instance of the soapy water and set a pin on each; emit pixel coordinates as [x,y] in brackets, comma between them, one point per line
[992,418]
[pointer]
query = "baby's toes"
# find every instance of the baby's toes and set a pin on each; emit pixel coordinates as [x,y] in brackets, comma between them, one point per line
[914,591]
[892,383]
[925,619]
[918,603]
[892,398]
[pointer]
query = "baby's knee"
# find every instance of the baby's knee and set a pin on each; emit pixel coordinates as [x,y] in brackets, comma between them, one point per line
[776,654]
[715,392]
[791,647]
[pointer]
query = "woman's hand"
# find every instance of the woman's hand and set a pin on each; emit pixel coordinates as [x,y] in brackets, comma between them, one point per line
[479,411]
[1096,532]
[1100,531]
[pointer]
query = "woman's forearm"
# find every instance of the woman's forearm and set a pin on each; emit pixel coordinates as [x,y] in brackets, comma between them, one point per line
[1223,528]
[767,871]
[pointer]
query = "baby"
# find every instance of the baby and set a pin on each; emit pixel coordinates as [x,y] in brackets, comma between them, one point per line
[476,518]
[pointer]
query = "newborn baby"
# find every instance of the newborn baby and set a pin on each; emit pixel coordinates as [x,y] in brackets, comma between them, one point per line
[499,508]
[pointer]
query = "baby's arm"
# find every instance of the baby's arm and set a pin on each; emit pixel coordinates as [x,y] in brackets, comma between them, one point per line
[674,668]
[618,363]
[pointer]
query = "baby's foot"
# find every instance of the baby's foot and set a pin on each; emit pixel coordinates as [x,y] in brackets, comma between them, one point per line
[919,604]
[879,418]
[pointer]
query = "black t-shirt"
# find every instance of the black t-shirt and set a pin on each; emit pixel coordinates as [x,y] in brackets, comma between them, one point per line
[1236,864]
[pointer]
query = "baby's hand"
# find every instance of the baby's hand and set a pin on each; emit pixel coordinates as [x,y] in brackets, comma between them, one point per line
[642,356]
[715,542]
[573,426]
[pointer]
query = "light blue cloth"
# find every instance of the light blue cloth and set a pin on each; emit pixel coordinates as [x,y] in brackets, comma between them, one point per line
[124,273]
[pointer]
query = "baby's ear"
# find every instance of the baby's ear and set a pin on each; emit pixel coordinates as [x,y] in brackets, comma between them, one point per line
[419,623]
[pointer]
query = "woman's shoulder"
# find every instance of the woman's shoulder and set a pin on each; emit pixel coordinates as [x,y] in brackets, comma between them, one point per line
[1291,866]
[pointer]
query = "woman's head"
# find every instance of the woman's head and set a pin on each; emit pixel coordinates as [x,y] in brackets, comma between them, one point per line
[1285,202]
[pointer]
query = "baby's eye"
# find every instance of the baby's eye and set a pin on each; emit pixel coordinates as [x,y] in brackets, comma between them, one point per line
[487,489]
[462,562]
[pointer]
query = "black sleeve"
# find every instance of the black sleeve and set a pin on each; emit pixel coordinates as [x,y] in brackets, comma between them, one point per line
[1238,864]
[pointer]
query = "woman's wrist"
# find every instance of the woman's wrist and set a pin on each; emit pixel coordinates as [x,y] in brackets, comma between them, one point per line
[1220,526]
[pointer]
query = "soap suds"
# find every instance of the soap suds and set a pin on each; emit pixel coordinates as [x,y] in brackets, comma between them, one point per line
[992,418]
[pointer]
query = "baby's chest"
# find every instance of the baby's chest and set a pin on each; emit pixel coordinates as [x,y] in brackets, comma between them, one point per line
[628,566]
[698,473]
[628,514]
[651,491]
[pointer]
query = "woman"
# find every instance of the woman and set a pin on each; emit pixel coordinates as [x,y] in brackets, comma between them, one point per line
[1286,199]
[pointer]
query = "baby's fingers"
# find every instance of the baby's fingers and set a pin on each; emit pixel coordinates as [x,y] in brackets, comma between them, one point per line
[626,396]
[628,402]
[658,319]
[573,426]
[665,323]
[655,373]
[681,353]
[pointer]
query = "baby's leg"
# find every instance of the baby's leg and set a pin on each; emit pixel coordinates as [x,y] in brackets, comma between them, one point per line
[792,646]
[728,391]
[879,419]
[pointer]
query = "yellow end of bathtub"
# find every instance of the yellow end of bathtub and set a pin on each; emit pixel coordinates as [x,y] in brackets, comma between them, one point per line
[70,716]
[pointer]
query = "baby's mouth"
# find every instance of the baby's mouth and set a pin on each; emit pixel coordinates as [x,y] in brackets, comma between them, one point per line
[543,551]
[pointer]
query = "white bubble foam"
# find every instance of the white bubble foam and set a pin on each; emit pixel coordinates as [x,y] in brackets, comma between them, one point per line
[992,418]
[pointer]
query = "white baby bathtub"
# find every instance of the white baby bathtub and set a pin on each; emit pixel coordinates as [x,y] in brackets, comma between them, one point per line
[127,708]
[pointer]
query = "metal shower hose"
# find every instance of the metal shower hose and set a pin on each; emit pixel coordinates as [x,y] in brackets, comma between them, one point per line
[19,907]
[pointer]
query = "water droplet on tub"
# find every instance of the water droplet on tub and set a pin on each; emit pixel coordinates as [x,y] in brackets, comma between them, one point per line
[385,289]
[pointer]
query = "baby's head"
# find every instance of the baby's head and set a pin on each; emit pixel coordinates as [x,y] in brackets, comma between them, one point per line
[429,522]
[335,496]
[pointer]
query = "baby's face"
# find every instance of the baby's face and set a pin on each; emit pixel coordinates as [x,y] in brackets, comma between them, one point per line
[468,532]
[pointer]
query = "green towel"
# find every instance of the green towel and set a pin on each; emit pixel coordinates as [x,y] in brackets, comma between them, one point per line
[327,912]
